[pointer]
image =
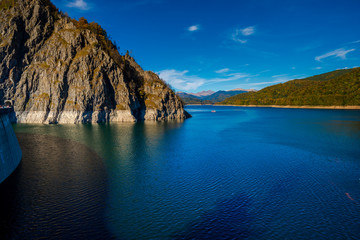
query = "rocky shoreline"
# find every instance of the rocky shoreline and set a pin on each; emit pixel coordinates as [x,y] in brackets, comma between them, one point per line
[89,116]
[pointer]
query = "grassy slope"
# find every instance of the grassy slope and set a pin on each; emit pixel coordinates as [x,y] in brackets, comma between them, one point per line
[337,88]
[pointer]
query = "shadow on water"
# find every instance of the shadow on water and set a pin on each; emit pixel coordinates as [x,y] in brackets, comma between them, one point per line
[230,219]
[58,192]
[8,198]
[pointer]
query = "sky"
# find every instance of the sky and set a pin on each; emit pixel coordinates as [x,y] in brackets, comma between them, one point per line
[197,45]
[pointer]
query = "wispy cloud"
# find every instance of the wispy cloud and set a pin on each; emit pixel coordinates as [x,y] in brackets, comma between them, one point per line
[287,77]
[239,40]
[248,31]
[194,28]
[340,53]
[317,68]
[224,70]
[238,34]
[79,4]
[264,83]
[181,80]
[228,77]
[279,76]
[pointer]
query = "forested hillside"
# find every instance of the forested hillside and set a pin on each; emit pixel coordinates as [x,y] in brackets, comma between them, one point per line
[337,88]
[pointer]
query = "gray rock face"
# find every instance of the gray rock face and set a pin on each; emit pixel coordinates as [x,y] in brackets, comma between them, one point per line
[58,70]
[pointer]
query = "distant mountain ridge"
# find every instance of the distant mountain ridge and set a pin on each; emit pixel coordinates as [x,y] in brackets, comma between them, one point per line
[202,93]
[209,97]
[336,88]
[242,89]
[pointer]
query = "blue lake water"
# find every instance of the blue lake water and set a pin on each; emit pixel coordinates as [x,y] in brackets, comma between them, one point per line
[237,173]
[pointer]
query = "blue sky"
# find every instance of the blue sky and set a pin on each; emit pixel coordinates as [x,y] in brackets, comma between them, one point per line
[198,45]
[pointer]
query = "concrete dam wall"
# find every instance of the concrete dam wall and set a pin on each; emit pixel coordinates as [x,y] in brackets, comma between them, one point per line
[10,152]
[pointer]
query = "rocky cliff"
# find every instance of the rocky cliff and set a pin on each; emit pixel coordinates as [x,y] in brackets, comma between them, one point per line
[59,70]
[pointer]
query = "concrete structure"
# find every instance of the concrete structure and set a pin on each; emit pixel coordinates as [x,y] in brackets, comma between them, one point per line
[10,152]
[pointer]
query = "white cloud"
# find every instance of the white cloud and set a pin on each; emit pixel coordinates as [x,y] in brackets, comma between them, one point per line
[239,40]
[238,34]
[340,53]
[194,28]
[317,68]
[182,81]
[229,77]
[224,70]
[179,79]
[248,31]
[80,4]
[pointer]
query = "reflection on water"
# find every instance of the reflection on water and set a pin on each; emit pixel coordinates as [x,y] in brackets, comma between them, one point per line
[58,192]
[255,173]
[349,128]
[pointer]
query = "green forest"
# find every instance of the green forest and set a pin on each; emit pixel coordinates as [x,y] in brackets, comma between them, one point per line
[337,88]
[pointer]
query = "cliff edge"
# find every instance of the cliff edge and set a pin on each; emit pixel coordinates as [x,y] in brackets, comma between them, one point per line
[59,70]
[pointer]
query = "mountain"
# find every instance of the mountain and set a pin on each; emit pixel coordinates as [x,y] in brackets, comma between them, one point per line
[337,88]
[245,90]
[190,99]
[203,93]
[214,97]
[59,70]
[222,95]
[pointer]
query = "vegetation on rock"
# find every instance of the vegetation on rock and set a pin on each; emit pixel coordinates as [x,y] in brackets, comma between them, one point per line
[5,4]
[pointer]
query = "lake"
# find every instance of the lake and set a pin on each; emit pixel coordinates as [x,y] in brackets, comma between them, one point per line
[236,173]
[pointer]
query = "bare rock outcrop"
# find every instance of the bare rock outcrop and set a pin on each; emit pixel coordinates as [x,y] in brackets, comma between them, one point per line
[59,70]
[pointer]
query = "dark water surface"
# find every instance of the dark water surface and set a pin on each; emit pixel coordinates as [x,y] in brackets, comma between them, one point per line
[237,173]
[58,192]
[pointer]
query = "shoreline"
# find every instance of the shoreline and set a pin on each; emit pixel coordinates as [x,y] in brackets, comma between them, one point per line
[288,106]
[198,104]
